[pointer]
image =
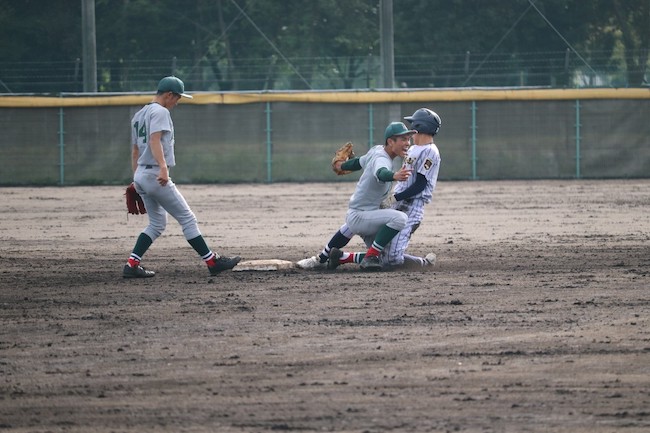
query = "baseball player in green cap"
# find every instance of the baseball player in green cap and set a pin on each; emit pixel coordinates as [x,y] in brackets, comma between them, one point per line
[152,156]
[365,217]
[409,196]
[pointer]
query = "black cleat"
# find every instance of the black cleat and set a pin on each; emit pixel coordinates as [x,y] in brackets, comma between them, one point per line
[334,259]
[371,263]
[223,264]
[136,272]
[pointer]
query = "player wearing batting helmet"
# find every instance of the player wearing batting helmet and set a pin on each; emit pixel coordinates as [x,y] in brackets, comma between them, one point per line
[410,196]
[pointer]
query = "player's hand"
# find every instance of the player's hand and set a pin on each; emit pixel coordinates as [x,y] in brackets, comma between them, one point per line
[402,174]
[163,176]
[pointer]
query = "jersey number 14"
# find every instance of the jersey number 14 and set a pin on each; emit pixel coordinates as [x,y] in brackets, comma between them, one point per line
[141,131]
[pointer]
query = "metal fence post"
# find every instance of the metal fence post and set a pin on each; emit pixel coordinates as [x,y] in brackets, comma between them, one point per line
[61,148]
[577,139]
[269,144]
[371,121]
[473,127]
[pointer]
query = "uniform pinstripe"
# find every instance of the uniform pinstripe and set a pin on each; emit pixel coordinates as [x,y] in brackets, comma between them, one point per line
[423,159]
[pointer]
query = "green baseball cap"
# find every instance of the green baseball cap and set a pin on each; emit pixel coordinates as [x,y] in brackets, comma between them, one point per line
[397,128]
[174,85]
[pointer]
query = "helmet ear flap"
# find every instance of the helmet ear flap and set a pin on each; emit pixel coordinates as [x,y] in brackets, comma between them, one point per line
[436,128]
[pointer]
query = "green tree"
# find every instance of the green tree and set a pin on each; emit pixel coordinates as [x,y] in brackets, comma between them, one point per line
[625,28]
[301,44]
[289,35]
[442,31]
[40,31]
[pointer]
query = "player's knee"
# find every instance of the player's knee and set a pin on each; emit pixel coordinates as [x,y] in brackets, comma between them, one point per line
[189,224]
[345,231]
[154,231]
[157,225]
[191,230]
[398,221]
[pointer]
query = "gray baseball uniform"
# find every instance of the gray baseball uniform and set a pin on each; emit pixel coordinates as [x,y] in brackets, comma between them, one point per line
[364,217]
[159,200]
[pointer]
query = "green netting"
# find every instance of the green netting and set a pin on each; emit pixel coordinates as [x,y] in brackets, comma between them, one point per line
[294,142]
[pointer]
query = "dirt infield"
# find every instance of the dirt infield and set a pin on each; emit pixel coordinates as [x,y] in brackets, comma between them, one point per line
[535,317]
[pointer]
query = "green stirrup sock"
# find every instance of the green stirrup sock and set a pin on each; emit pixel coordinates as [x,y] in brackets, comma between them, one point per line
[199,245]
[384,236]
[142,245]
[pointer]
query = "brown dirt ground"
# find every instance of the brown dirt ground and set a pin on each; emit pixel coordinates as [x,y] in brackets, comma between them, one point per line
[535,317]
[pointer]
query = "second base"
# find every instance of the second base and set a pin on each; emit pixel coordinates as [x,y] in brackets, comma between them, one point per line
[263,265]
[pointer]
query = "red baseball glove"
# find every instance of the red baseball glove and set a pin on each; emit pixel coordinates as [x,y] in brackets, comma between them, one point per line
[134,203]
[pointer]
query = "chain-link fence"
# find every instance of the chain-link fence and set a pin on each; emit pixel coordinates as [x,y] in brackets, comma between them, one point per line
[292,137]
[555,69]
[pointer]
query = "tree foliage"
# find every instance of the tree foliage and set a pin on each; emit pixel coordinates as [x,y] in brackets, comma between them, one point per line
[300,44]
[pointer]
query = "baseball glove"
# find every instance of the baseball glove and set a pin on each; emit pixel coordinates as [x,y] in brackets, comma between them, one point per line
[344,153]
[134,203]
[389,202]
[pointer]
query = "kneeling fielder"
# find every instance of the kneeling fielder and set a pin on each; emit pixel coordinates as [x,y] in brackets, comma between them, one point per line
[410,196]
